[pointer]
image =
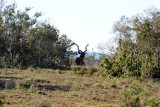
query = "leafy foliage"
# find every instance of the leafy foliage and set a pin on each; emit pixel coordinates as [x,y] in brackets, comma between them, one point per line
[138,51]
[89,70]
[1,101]
[26,42]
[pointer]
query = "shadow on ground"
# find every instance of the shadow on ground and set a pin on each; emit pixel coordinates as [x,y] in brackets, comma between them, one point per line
[10,83]
[12,78]
[48,87]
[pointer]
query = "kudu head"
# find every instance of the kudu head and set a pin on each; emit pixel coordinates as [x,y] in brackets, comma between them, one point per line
[80,59]
[82,53]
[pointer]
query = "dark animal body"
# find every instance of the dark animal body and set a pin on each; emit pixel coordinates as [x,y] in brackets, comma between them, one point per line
[80,60]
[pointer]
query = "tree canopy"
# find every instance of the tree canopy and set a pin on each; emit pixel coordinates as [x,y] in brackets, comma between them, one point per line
[138,51]
[24,41]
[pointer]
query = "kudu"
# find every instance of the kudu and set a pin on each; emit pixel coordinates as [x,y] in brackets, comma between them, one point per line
[80,60]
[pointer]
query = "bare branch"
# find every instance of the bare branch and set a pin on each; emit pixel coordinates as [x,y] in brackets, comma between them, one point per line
[108,47]
[1,4]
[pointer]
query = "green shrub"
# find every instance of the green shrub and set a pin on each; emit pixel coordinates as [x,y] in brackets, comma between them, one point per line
[4,62]
[35,79]
[18,86]
[134,101]
[97,85]
[112,85]
[91,70]
[132,91]
[39,80]
[111,67]
[152,103]
[45,65]
[88,70]
[32,89]
[1,101]
[131,97]
[31,69]
[79,70]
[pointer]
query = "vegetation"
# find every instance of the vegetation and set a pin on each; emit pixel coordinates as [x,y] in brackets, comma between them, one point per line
[128,78]
[25,42]
[66,88]
[88,70]
[138,51]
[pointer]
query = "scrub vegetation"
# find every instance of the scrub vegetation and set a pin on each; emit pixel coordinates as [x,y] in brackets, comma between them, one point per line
[37,65]
[49,88]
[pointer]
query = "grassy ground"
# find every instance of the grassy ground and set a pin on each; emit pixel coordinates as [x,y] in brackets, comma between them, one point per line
[57,88]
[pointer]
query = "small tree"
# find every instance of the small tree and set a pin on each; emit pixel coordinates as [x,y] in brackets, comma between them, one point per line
[24,42]
[138,48]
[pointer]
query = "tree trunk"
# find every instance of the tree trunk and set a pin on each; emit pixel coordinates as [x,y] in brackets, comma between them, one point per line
[158,53]
[39,59]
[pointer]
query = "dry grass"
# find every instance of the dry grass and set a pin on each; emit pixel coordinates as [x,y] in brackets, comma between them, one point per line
[56,88]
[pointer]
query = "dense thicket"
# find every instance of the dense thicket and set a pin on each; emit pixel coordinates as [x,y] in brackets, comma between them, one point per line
[138,51]
[26,42]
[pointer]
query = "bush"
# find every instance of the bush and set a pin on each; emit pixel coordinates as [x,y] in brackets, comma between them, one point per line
[110,67]
[45,65]
[32,89]
[152,103]
[1,102]
[4,62]
[79,70]
[112,85]
[91,70]
[131,97]
[119,66]
[31,69]
[35,79]
[132,91]
[88,70]
[133,102]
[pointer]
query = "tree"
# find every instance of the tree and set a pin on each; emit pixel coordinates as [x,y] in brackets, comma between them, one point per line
[1,4]
[43,40]
[138,48]
[16,25]
[148,40]
[63,50]
[26,42]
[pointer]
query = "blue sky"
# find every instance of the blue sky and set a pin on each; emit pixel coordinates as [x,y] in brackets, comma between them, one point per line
[86,21]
